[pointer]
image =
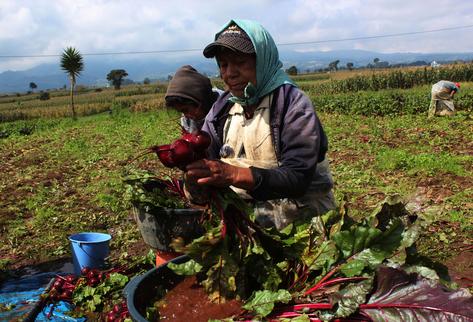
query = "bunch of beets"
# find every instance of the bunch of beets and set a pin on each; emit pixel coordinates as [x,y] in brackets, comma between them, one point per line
[63,288]
[118,313]
[188,148]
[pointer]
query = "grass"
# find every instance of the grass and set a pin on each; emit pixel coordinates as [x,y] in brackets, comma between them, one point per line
[420,163]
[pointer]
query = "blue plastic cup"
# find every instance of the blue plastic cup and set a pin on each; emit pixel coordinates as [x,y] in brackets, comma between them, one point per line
[89,250]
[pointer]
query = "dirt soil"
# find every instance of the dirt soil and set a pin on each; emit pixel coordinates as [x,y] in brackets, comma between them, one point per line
[460,267]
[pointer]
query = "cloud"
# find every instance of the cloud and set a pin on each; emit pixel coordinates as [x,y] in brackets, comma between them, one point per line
[322,20]
[17,24]
[29,27]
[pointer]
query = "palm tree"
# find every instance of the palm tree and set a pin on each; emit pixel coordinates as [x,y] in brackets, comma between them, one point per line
[72,64]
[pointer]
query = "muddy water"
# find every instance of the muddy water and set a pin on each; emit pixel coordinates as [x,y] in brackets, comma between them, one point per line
[189,302]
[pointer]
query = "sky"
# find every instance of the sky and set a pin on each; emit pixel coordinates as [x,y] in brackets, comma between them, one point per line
[46,27]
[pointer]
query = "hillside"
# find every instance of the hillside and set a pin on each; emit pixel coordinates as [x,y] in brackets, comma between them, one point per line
[49,76]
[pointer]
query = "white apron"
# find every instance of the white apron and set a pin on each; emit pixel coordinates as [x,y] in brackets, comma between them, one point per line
[248,142]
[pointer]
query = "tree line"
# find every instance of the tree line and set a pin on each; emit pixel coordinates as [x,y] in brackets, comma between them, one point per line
[334,66]
[376,63]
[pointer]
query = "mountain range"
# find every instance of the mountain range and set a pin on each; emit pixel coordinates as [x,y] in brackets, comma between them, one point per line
[50,76]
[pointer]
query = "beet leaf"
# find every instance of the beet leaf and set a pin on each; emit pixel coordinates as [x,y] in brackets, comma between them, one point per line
[400,296]
[262,302]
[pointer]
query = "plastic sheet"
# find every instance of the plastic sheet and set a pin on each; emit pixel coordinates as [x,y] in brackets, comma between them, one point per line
[59,313]
[20,300]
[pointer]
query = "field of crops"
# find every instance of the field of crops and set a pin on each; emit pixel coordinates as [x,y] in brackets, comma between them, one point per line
[87,102]
[67,175]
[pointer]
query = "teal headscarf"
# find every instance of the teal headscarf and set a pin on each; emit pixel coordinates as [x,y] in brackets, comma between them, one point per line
[269,74]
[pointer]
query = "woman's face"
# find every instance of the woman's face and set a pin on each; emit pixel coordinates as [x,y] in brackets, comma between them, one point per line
[236,70]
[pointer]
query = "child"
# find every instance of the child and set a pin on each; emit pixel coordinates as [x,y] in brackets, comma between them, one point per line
[191,93]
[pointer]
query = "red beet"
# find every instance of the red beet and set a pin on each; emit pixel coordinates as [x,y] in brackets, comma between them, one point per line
[66,295]
[189,148]
[70,279]
[182,153]
[164,154]
[111,317]
[58,283]
[93,281]
[90,275]
[117,309]
[202,141]
[199,140]
[84,271]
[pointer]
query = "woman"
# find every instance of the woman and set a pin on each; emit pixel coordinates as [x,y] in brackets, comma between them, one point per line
[442,98]
[265,132]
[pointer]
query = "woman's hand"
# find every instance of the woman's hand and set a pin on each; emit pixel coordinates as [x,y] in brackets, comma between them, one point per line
[219,174]
[211,172]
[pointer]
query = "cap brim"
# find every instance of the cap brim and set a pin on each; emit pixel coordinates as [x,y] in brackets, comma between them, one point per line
[211,50]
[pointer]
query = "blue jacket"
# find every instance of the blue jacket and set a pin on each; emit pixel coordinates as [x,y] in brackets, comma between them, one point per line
[298,138]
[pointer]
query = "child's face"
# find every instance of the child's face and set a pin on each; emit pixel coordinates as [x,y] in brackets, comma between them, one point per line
[190,111]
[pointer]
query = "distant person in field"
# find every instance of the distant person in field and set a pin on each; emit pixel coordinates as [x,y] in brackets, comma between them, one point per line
[191,94]
[268,144]
[442,98]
